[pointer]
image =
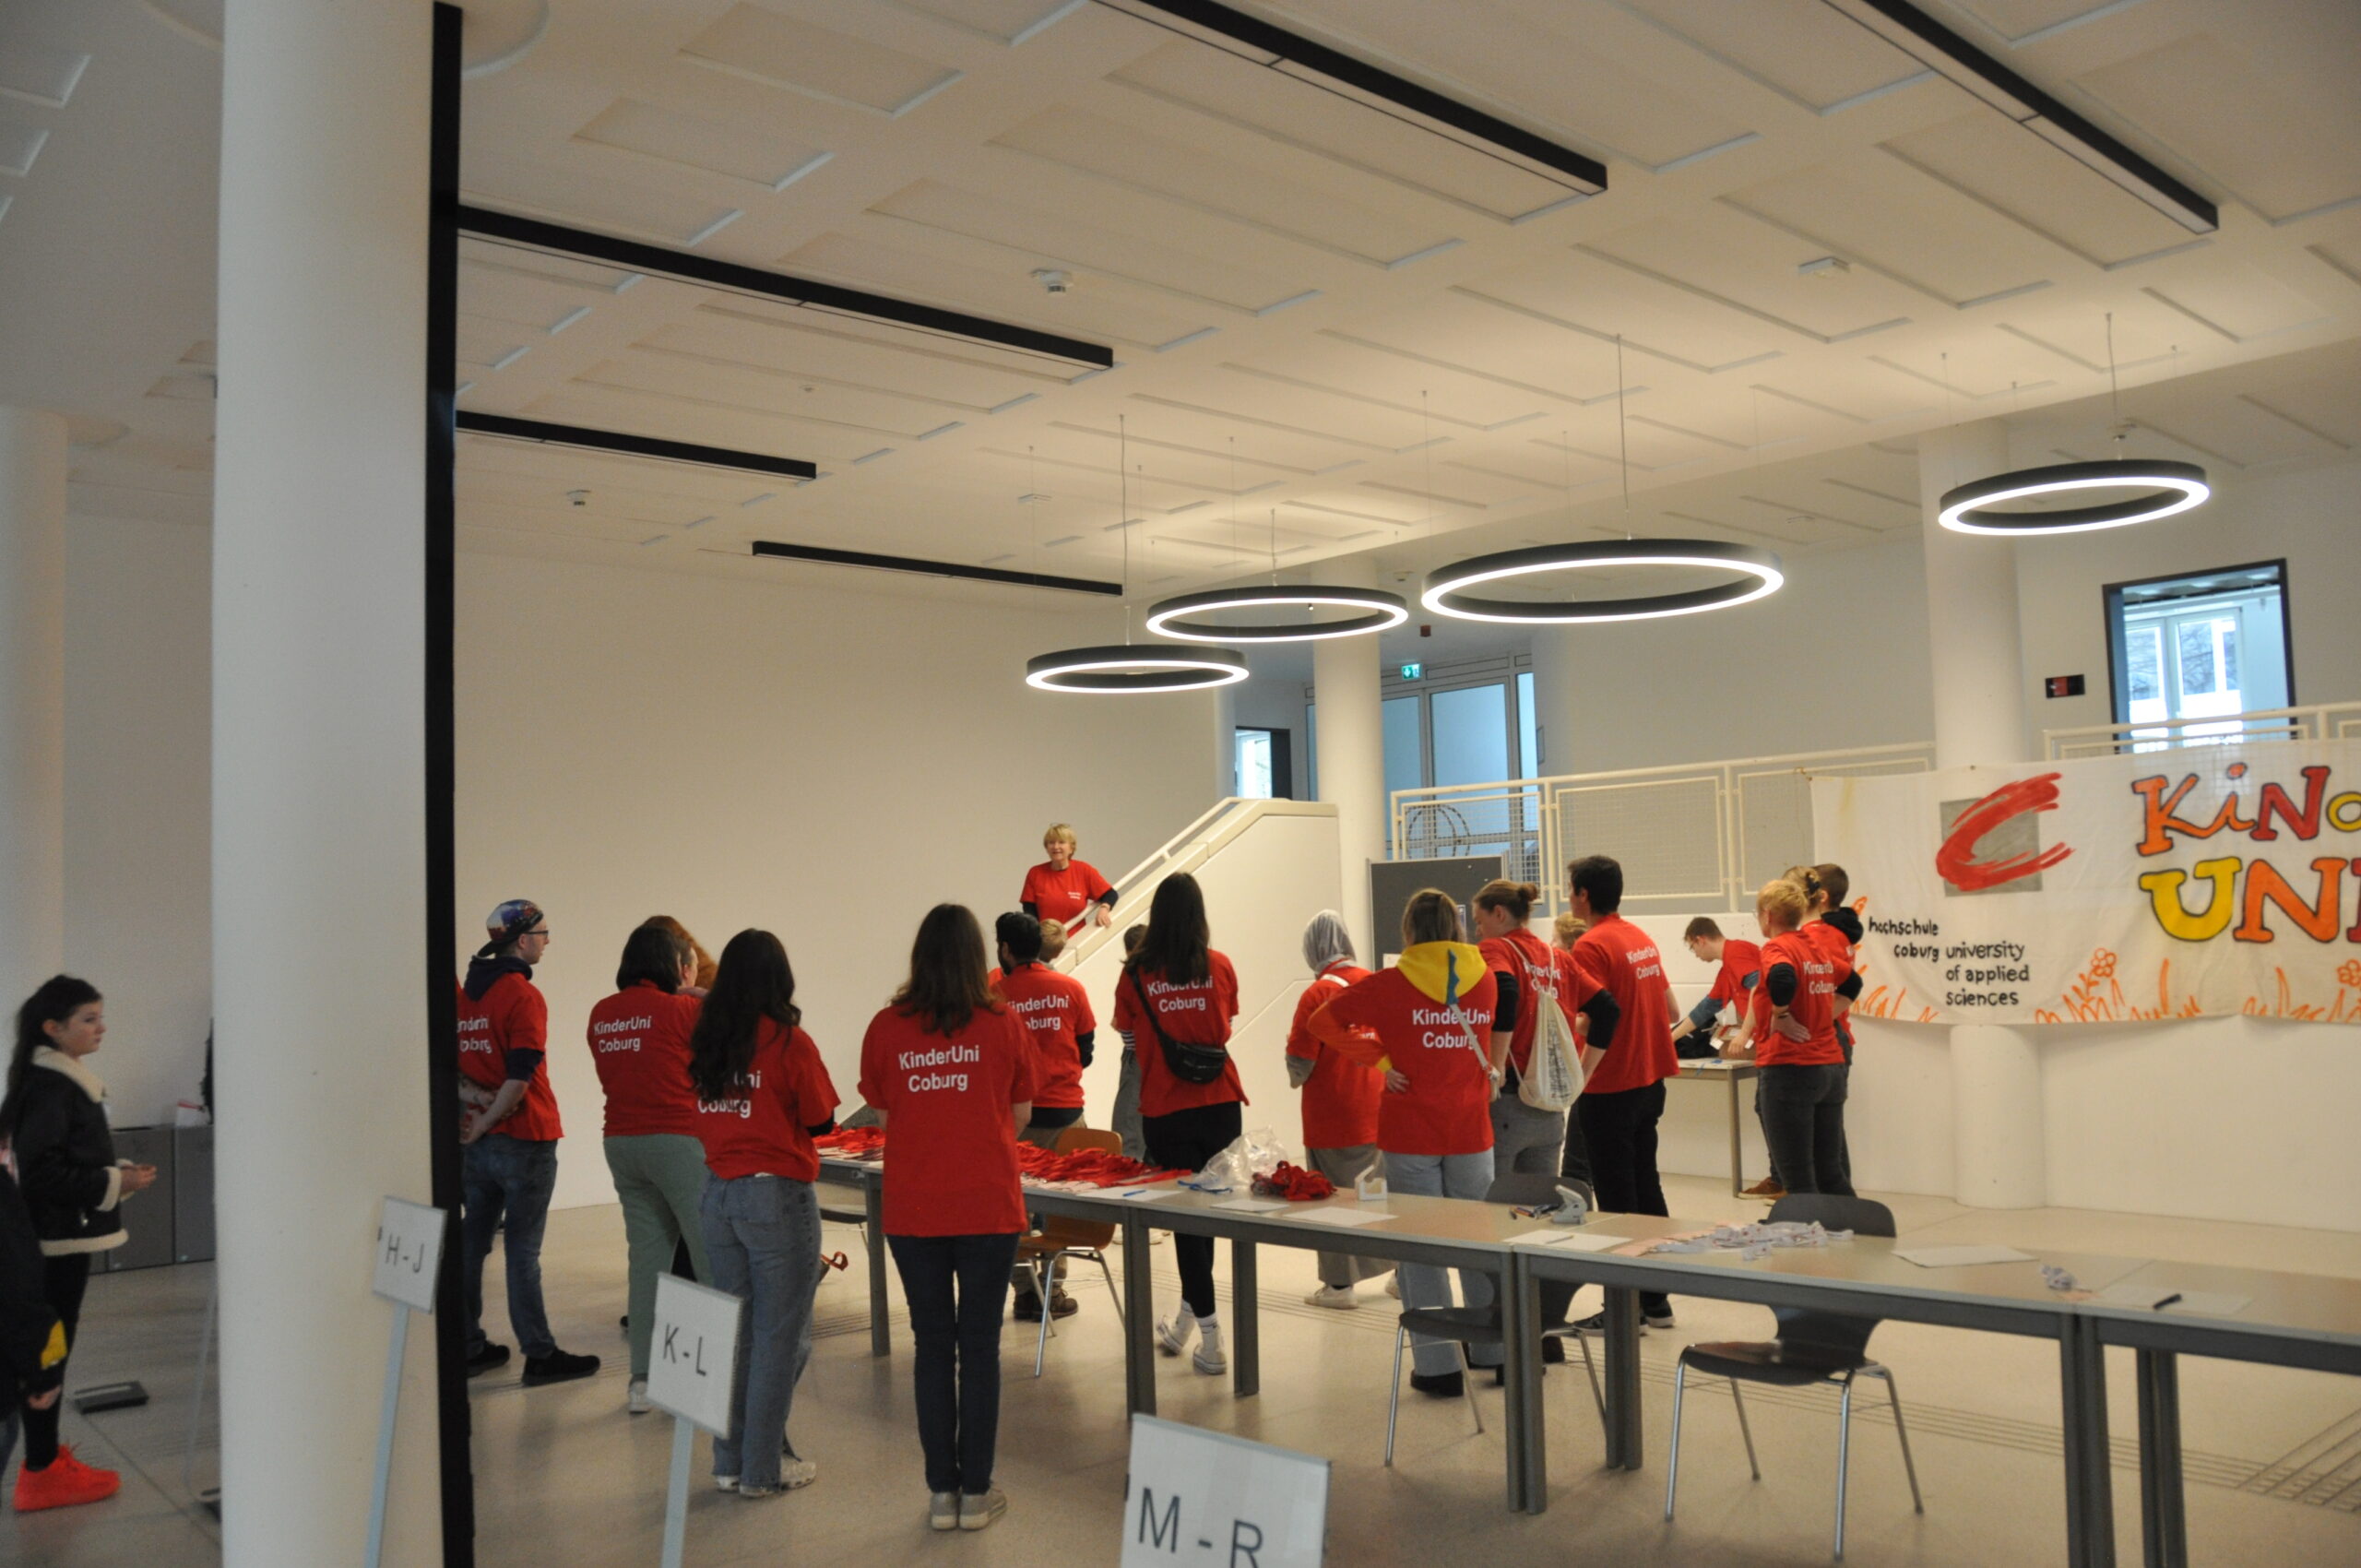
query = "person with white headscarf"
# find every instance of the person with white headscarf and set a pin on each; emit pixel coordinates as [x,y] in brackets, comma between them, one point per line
[1340,1097]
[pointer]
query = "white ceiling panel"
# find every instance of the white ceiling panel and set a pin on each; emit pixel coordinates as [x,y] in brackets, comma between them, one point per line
[750,40]
[2016,173]
[686,142]
[1800,48]
[1592,296]
[803,348]
[642,209]
[1747,265]
[2234,298]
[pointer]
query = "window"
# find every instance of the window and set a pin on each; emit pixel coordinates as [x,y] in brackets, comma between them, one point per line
[1471,726]
[1406,744]
[1528,729]
[2210,645]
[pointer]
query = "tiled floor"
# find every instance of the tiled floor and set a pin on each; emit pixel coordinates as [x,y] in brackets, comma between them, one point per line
[2275,1458]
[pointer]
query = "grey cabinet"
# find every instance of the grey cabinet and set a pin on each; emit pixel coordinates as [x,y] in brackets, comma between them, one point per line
[192,1193]
[147,1216]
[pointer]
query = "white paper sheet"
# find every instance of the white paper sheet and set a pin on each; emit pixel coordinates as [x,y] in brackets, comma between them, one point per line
[2140,1297]
[1962,1257]
[1568,1240]
[2208,1303]
[1149,1195]
[1344,1215]
[1252,1205]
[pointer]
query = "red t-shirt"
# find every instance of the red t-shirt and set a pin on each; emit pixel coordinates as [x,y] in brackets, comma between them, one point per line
[1055,1012]
[761,1128]
[1448,1106]
[1619,958]
[1063,895]
[1340,1098]
[512,1015]
[1819,971]
[639,1042]
[1539,975]
[1740,961]
[950,1138]
[1197,1013]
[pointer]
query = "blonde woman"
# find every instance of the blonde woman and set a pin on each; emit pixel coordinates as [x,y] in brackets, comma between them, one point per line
[1062,888]
[1793,1041]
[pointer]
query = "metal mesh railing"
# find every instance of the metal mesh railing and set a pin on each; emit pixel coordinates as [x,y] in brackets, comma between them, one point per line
[2327,721]
[1688,838]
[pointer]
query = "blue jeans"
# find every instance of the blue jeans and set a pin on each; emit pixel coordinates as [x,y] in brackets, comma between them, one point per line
[763,1236]
[500,1175]
[1423,1285]
[957,1364]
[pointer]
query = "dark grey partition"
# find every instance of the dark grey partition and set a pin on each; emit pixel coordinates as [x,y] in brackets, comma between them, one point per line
[147,1216]
[1391,882]
[192,1193]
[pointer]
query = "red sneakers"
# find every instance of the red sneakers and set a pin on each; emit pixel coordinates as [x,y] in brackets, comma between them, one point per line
[68,1481]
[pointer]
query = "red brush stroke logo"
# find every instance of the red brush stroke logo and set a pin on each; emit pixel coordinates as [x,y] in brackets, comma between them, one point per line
[1956,862]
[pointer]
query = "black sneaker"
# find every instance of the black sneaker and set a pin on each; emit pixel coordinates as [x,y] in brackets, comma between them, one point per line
[1026,1309]
[1657,1318]
[1553,1351]
[489,1359]
[1440,1386]
[557,1367]
[1597,1323]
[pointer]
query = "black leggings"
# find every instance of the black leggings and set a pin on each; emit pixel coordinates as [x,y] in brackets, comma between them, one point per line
[63,1280]
[1185,1140]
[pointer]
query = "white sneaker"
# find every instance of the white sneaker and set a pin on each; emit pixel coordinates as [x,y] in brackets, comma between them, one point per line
[1172,1334]
[1394,1284]
[975,1513]
[725,1483]
[1340,1297]
[942,1510]
[637,1402]
[1209,1359]
[794,1473]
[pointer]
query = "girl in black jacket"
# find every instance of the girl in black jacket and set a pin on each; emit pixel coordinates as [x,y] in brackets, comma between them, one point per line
[56,1129]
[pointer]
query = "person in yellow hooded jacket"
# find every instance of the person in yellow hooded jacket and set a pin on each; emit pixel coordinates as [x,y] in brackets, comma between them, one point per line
[1428,1022]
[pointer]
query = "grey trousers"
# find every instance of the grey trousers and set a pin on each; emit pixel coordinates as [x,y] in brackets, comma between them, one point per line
[1526,1141]
[1126,1121]
[1342,1271]
[1423,1285]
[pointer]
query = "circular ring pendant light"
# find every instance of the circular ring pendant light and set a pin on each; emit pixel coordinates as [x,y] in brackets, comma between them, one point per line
[1446,589]
[2172,488]
[1120,668]
[1379,612]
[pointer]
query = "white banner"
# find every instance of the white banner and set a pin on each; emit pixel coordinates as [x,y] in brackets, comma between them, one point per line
[2172,884]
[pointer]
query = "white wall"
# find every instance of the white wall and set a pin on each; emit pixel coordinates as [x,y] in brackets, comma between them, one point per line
[139,828]
[803,751]
[2304,515]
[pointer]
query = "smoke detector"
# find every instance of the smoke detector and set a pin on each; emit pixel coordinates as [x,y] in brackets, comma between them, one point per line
[1825,266]
[577,497]
[1053,280]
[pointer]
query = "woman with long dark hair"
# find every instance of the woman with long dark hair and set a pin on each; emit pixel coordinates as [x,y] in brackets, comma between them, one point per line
[1174,1006]
[951,1075]
[55,1123]
[763,1095]
[639,1043]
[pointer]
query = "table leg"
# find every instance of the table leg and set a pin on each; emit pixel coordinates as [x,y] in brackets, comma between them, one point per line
[1527,1436]
[1139,1318]
[881,1339]
[2162,1518]
[1246,1332]
[2090,1479]
[1737,1147]
[1623,1434]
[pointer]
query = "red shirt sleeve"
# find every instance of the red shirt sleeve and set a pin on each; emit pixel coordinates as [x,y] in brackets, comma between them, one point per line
[1225,984]
[1315,996]
[1025,1080]
[1349,1021]
[529,1021]
[811,1097]
[1094,886]
[872,1064]
[1127,1006]
[1084,1019]
[1031,892]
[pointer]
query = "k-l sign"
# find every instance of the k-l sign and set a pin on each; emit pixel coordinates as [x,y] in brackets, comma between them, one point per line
[692,1361]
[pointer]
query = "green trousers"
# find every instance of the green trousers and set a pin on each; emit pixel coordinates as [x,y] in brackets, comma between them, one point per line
[660,1178]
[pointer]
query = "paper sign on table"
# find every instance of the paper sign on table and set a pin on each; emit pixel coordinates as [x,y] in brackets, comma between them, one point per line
[1206,1500]
[1962,1257]
[2208,1303]
[1253,1206]
[692,1361]
[1149,1195]
[1344,1216]
[410,1252]
[2140,1297]
[1570,1241]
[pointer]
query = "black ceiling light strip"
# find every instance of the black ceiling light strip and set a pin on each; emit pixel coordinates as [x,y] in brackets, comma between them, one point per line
[1942,51]
[638,257]
[932,568]
[634,446]
[1295,55]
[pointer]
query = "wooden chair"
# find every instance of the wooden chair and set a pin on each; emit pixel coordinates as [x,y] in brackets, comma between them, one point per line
[1059,1238]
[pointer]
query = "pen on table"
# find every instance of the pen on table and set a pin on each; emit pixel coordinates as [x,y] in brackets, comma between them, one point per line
[2168,1301]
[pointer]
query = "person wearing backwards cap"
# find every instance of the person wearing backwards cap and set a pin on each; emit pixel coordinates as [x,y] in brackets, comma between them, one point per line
[509,1131]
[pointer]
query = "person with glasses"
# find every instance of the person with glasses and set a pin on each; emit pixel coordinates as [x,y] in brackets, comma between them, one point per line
[509,1132]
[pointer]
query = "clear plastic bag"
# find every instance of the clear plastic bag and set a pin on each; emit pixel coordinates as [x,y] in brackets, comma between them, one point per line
[1256,1152]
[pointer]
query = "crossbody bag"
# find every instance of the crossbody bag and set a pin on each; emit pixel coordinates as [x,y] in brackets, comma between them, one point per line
[1190,1064]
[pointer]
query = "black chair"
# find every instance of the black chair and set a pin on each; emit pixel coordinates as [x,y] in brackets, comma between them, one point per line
[1813,1347]
[1465,1327]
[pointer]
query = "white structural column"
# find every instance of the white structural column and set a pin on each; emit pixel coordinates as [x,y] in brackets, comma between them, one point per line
[1557,700]
[1980,709]
[1349,736]
[32,697]
[318,765]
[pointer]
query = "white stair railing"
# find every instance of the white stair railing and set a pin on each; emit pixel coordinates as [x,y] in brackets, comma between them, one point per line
[1185,851]
[2324,721]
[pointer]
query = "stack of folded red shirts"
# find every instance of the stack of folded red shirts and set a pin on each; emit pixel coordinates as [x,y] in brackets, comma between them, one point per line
[1294,1184]
[852,1142]
[1090,1166]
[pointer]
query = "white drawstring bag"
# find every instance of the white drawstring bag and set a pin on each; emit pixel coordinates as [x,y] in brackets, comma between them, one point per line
[1553,1078]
